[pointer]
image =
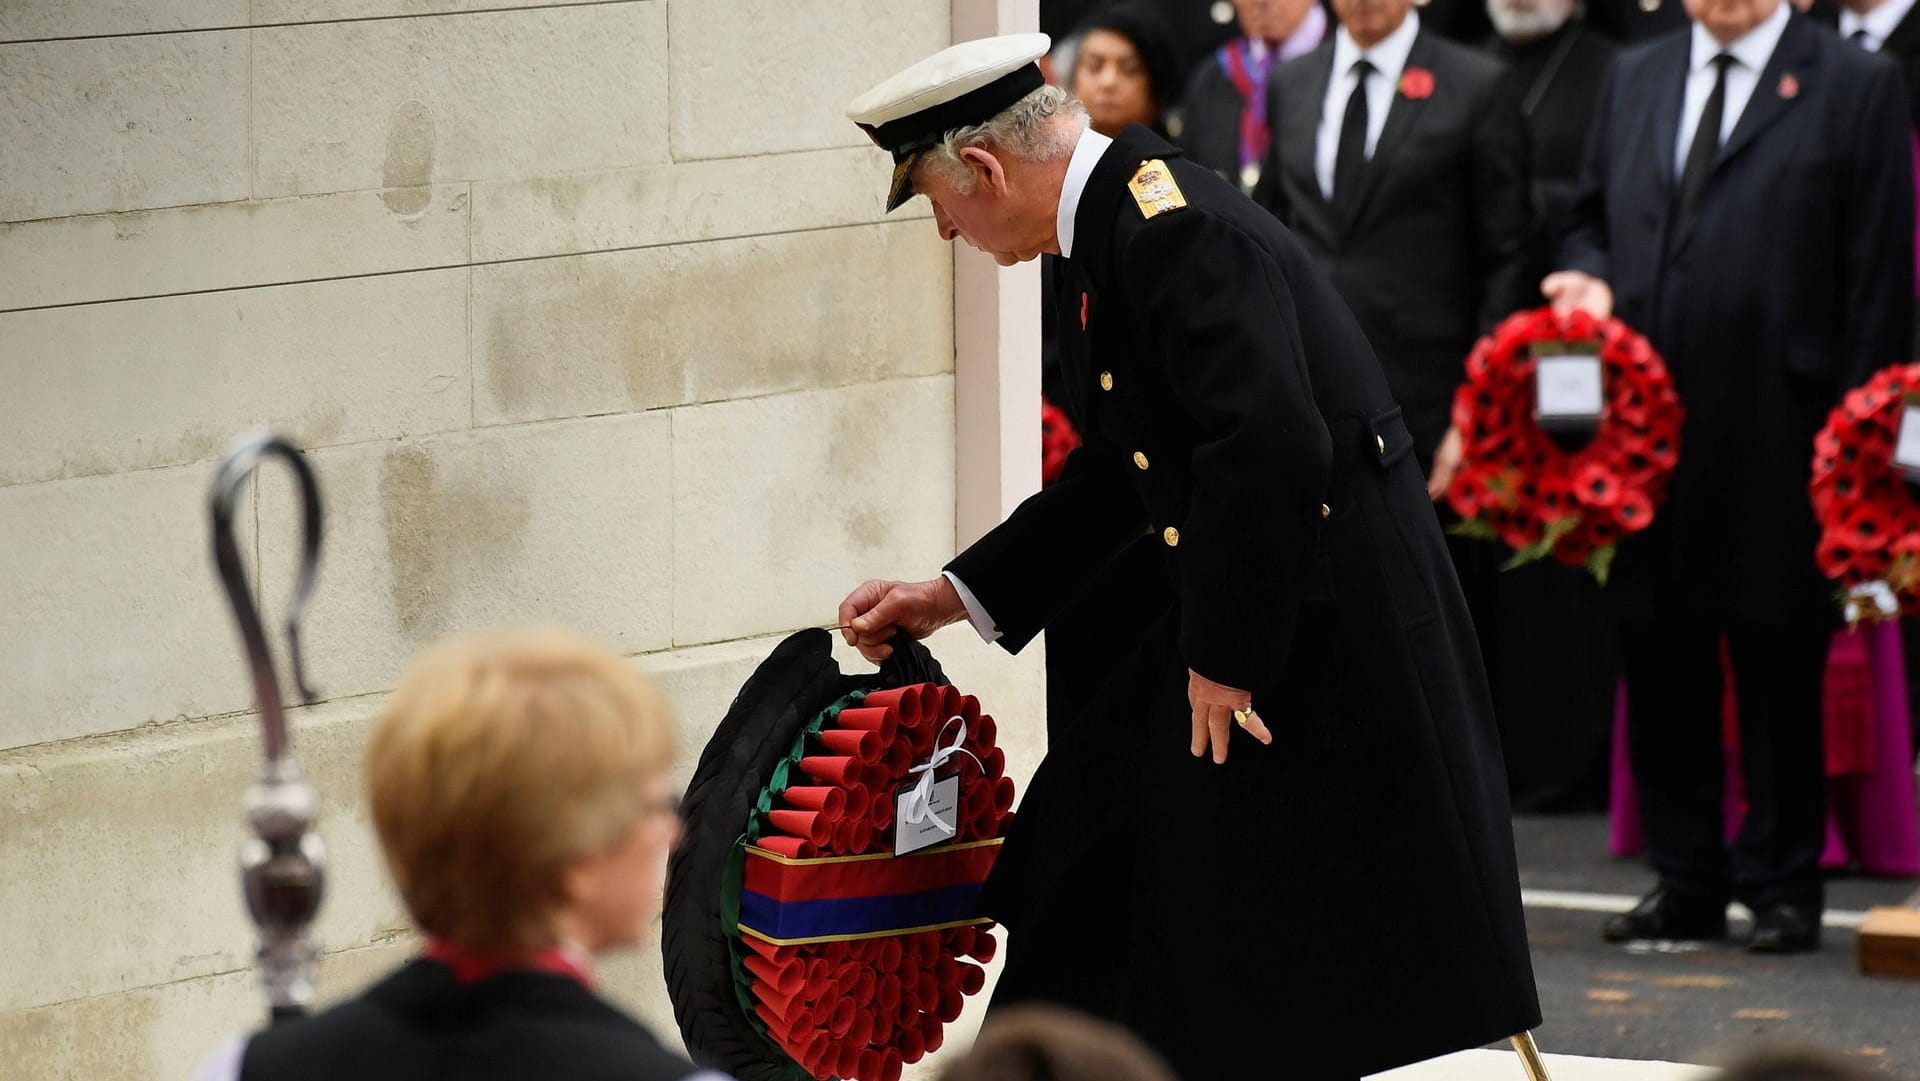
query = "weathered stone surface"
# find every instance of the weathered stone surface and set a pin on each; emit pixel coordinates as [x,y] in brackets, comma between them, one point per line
[158,382]
[225,245]
[294,11]
[109,610]
[782,504]
[122,124]
[566,523]
[401,104]
[703,322]
[723,51]
[686,201]
[26,20]
[117,856]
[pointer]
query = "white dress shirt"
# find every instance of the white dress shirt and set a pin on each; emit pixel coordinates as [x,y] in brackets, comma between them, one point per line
[1879,23]
[1389,59]
[1086,154]
[1750,55]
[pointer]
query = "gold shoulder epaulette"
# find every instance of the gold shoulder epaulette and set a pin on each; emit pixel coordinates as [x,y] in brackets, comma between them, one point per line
[1154,190]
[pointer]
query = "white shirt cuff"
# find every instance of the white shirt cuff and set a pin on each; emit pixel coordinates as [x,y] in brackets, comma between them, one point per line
[983,624]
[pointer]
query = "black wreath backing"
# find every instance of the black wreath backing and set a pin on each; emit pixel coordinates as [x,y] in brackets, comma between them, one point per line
[795,682]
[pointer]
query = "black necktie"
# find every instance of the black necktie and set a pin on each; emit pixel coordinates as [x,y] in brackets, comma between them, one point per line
[1706,144]
[1861,38]
[1350,153]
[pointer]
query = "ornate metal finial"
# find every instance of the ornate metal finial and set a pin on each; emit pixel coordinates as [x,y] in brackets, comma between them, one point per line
[283,866]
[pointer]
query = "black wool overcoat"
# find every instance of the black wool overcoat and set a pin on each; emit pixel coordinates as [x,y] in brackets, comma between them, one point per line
[1342,901]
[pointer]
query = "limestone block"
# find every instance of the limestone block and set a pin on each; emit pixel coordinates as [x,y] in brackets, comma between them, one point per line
[566,523]
[157,382]
[686,201]
[117,855]
[575,336]
[726,51]
[27,20]
[636,330]
[110,616]
[224,245]
[400,104]
[783,504]
[168,1030]
[822,309]
[291,11]
[122,123]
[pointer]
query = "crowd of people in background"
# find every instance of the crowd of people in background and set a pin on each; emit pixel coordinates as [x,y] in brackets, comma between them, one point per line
[1733,179]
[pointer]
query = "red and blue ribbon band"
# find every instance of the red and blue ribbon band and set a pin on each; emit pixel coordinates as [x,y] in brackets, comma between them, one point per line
[839,898]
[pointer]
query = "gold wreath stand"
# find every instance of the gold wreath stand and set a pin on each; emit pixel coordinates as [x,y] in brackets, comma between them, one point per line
[1530,1060]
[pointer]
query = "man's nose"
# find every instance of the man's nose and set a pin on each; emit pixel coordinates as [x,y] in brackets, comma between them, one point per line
[940,222]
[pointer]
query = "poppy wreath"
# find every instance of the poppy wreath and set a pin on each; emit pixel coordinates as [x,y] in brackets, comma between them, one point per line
[1869,521]
[1057,440]
[851,960]
[1516,485]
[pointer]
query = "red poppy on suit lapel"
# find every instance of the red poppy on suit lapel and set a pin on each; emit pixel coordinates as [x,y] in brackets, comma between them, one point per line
[1416,84]
[1789,86]
[1083,311]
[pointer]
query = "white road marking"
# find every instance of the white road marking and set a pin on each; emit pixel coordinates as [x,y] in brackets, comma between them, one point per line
[1609,903]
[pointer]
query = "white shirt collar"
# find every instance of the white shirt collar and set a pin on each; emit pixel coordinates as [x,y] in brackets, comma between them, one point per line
[1752,51]
[1086,154]
[1880,23]
[1388,55]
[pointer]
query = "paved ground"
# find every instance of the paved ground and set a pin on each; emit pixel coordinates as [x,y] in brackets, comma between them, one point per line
[1686,1005]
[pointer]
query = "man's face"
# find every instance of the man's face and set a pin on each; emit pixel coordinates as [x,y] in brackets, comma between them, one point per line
[1271,20]
[995,219]
[1522,21]
[1730,20]
[1370,20]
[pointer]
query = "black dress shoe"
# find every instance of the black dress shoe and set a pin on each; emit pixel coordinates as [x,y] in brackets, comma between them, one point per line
[1785,928]
[1664,914]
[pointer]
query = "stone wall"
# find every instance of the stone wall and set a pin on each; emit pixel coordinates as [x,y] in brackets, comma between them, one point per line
[586,312]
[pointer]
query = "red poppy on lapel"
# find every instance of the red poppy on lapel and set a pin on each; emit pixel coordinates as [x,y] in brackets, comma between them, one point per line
[1083,311]
[1416,84]
[1789,86]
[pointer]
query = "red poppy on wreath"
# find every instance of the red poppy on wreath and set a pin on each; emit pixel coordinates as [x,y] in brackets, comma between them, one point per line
[1523,488]
[1416,84]
[1869,520]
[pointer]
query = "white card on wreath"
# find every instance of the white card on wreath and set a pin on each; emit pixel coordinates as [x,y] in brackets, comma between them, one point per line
[1568,389]
[930,827]
[1906,449]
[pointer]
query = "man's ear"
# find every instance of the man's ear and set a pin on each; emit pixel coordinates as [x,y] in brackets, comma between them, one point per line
[986,168]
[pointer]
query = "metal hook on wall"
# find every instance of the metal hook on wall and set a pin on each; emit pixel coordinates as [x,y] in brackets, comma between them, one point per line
[283,866]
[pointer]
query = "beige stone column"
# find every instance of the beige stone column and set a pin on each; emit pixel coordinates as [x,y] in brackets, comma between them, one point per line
[996,332]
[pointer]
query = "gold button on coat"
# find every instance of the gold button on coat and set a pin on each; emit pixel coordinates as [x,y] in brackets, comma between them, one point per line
[1171,536]
[1106,380]
[1381,441]
[1326,511]
[1139,459]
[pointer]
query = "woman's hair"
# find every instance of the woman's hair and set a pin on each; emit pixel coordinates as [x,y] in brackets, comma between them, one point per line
[1024,130]
[502,759]
[1144,26]
[1050,1043]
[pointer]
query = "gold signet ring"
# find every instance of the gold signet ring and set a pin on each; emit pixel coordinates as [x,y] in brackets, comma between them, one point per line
[1243,716]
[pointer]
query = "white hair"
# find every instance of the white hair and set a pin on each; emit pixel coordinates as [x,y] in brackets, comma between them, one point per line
[1024,130]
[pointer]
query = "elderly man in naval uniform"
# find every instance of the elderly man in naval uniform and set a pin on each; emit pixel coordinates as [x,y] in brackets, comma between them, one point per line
[1280,834]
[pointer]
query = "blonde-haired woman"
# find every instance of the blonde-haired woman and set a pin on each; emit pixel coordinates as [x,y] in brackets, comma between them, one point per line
[518,782]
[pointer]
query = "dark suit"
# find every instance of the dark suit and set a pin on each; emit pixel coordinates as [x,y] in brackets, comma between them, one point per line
[1793,283]
[1233,412]
[1430,254]
[1208,125]
[420,1022]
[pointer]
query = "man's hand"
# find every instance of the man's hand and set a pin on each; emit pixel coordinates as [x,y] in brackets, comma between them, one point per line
[1446,462]
[871,613]
[1574,291]
[1214,705]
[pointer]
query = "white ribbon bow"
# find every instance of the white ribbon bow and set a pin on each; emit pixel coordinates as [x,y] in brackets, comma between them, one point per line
[920,801]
